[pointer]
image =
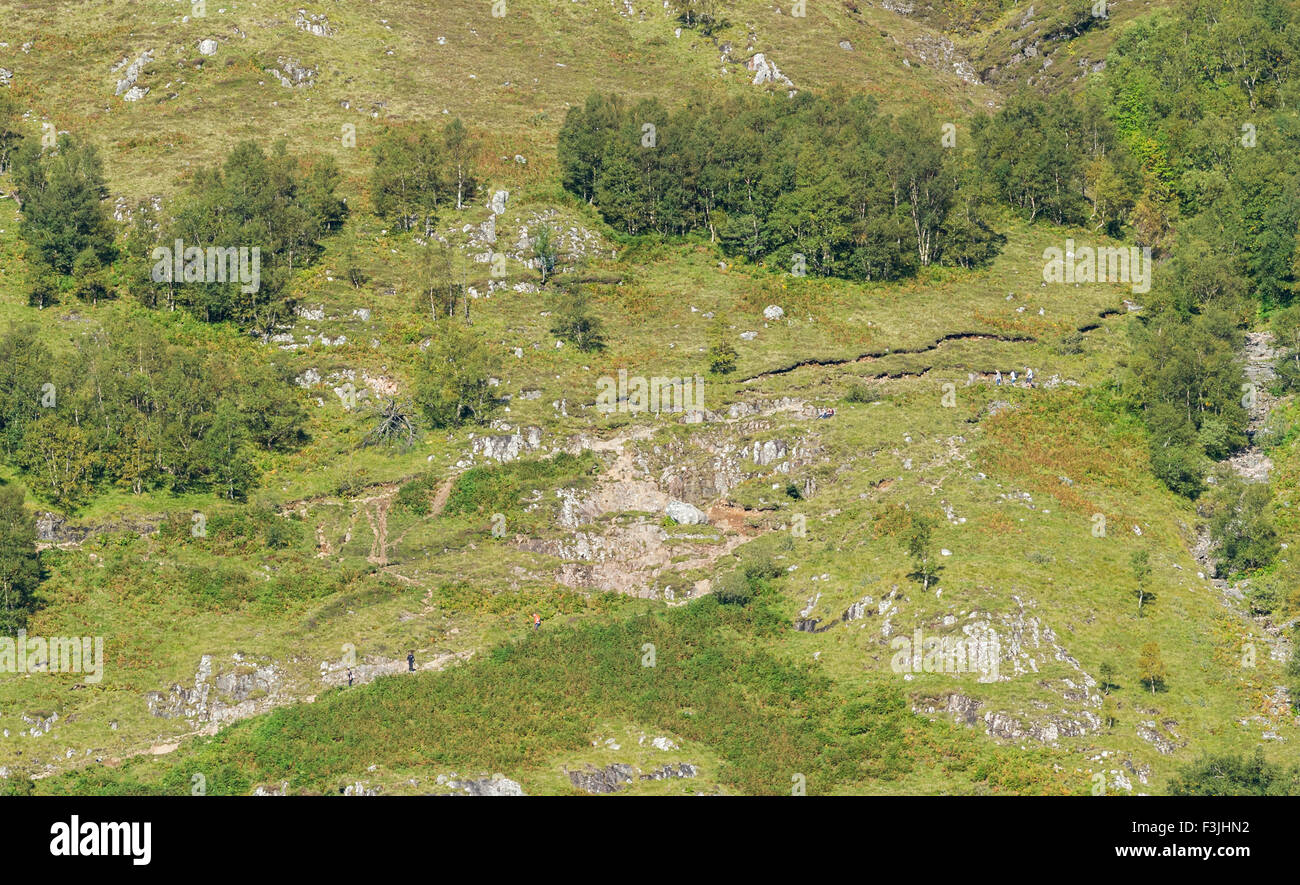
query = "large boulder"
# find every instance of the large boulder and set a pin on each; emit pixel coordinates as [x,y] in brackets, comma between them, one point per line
[683,513]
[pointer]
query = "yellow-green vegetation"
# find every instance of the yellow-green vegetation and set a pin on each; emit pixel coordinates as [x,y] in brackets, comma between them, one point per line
[738,587]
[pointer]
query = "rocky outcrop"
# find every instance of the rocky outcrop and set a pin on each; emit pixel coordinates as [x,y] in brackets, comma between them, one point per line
[1159,736]
[243,689]
[313,23]
[496,785]
[1251,464]
[616,776]
[127,82]
[1015,727]
[507,447]
[54,530]
[765,71]
[293,74]
[609,779]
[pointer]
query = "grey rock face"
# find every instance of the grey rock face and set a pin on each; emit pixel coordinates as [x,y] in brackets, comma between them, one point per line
[496,785]
[242,690]
[506,448]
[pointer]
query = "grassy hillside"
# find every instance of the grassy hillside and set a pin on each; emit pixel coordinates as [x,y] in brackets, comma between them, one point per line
[227,653]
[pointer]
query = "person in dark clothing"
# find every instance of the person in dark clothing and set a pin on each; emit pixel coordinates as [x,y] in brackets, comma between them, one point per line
[410,662]
[349,677]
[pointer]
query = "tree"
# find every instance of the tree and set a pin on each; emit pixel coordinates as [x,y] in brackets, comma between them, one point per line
[722,353]
[459,148]
[227,449]
[1293,670]
[269,405]
[1107,673]
[451,384]
[26,366]
[10,135]
[1286,329]
[20,566]
[1140,563]
[394,427]
[576,324]
[1151,667]
[919,543]
[701,15]
[1109,712]
[60,458]
[443,278]
[544,252]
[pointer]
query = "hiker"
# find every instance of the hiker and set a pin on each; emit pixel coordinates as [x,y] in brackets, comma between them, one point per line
[1029,376]
[997,379]
[410,662]
[349,677]
[1013,377]
[537,621]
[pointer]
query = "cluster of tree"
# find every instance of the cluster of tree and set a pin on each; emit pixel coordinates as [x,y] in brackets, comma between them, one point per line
[65,223]
[1241,525]
[127,408]
[1203,95]
[819,184]
[705,16]
[1228,775]
[1286,335]
[419,172]
[20,564]
[452,379]
[279,204]
[1057,158]
[1185,376]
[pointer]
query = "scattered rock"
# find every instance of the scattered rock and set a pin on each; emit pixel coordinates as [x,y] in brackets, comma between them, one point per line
[292,74]
[313,23]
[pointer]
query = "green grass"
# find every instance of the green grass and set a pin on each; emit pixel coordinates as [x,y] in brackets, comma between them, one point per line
[712,683]
[293,577]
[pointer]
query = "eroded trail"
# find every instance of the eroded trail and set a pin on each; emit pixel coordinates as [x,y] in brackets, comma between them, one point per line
[952,337]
